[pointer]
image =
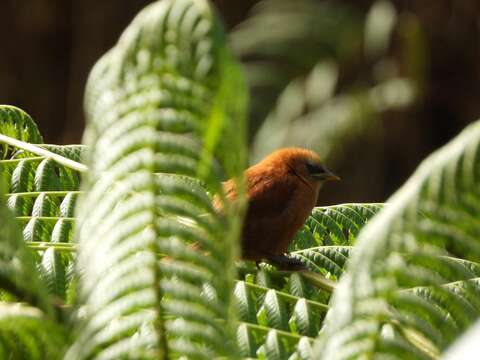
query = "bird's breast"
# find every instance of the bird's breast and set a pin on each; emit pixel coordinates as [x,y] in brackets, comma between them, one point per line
[295,214]
[272,234]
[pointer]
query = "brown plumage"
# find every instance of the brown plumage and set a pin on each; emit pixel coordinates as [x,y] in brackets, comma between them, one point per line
[282,190]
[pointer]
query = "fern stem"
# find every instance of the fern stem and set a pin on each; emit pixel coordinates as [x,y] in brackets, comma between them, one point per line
[319,247]
[288,296]
[45,218]
[314,278]
[37,193]
[319,281]
[279,332]
[38,245]
[37,150]
[29,159]
[418,340]
[159,323]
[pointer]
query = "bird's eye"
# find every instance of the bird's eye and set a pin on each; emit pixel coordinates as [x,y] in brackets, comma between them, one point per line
[315,168]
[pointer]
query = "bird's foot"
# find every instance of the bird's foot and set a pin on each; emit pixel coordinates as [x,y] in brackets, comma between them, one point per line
[284,262]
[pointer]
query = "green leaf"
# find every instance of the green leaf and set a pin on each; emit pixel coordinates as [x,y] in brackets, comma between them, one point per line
[245,307]
[275,311]
[53,272]
[17,124]
[46,178]
[246,341]
[305,321]
[274,348]
[22,177]
[304,349]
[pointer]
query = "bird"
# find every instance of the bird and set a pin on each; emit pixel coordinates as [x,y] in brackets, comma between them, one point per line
[282,189]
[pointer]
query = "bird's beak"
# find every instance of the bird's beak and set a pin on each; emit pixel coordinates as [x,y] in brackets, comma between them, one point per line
[327,175]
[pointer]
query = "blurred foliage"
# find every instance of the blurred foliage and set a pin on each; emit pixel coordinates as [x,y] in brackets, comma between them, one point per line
[301,50]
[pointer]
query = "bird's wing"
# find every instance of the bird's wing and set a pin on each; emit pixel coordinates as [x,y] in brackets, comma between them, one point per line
[270,192]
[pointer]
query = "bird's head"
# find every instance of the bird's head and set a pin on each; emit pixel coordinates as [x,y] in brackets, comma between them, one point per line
[304,163]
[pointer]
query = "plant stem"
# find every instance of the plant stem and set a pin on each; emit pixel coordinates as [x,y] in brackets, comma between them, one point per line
[319,280]
[37,150]
[38,245]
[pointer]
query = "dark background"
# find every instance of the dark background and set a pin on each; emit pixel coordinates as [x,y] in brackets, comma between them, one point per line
[47,48]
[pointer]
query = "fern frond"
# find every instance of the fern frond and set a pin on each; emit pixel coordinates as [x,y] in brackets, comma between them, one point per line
[29,326]
[334,225]
[273,306]
[17,269]
[26,333]
[272,302]
[165,109]
[16,123]
[325,259]
[426,240]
